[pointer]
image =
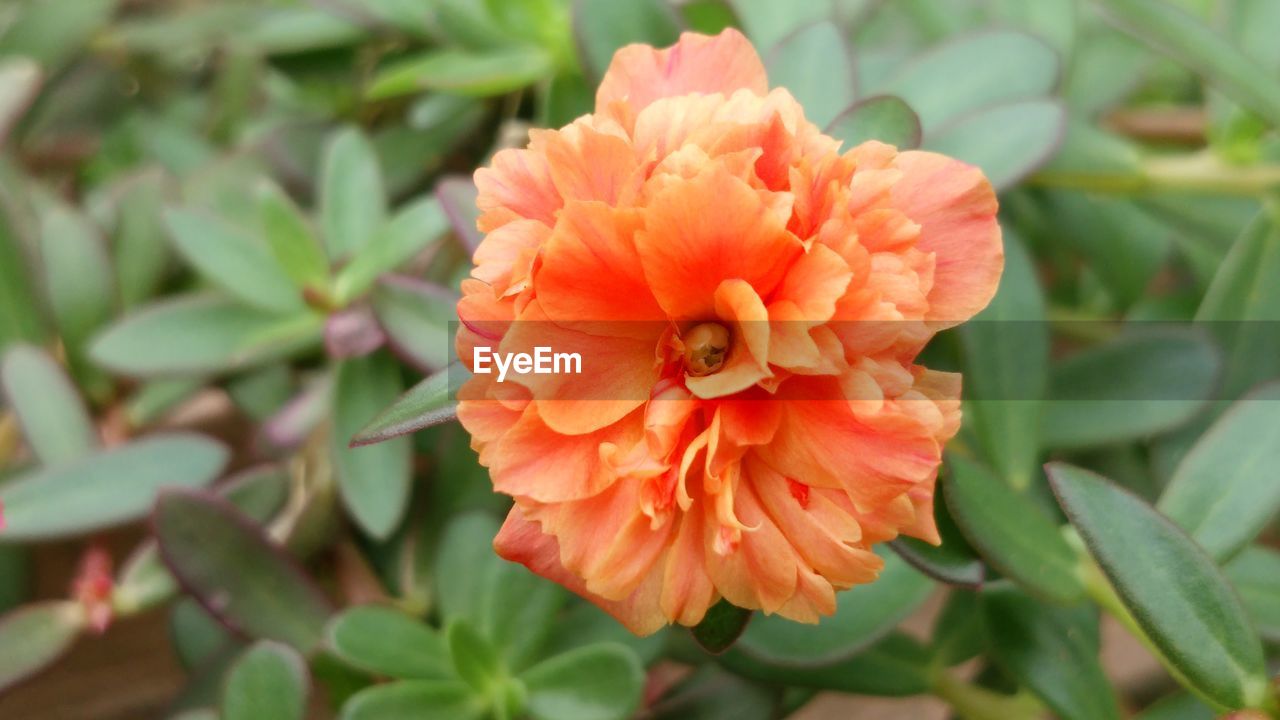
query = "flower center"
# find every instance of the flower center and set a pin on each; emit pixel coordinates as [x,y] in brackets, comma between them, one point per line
[705,348]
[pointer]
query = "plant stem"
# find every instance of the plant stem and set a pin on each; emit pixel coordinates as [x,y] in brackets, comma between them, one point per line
[1198,172]
[971,702]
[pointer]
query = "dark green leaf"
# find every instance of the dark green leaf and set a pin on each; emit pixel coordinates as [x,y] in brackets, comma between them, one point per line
[1182,706]
[791,65]
[53,417]
[352,202]
[721,627]
[884,118]
[268,682]
[863,615]
[1138,385]
[1051,650]
[596,682]
[481,74]
[236,572]
[1011,532]
[1225,491]
[425,404]
[234,260]
[711,693]
[106,488]
[17,292]
[35,636]
[385,641]
[953,562]
[417,699]
[374,481]
[201,334]
[1169,585]
[895,666]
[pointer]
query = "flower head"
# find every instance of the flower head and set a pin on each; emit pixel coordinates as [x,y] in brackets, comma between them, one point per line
[748,301]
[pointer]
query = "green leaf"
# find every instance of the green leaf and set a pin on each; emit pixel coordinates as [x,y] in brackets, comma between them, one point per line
[458,199]
[412,230]
[201,334]
[1008,142]
[1191,42]
[1011,532]
[425,404]
[268,682]
[1051,20]
[1051,650]
[1224,492]
[352,200]
[1006,354]
[17,292]
[238,574]
[884,118]
[474,659]
[385,641]
[767,22]
[953,562]
[290,238]
[77,276]
[494,72]
[597,682]
[999,68]
[233,260]
[198,637]
[1255,574]
[418,319]
[1138,385]
[106,488]
[1175,593]
[721,627]
[895,666]
[585,624]
[1242,305]
[35,636]
[374,481]
[791,63]
[1105,69]
[20,80]
[863,615]
[299,29]
[1180,706]
[46,33]
[601,27]
[510,606]
[142,251]
[53,417]
[421,700]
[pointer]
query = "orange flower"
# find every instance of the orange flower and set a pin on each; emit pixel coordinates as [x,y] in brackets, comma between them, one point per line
[748,303]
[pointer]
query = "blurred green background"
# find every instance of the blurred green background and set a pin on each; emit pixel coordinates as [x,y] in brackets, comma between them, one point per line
[231,233]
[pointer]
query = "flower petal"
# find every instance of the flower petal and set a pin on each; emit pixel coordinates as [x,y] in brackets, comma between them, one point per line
[640,74]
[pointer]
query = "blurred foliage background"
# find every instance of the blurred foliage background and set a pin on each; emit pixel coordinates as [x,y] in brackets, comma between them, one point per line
[231,233]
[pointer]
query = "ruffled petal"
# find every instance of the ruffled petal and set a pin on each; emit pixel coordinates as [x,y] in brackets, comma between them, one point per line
[640,74]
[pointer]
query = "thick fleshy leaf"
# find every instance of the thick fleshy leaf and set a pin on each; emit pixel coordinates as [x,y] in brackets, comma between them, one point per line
[711,693]
[457,197]
[418,699]
[53,417]
[721,627]
[238,574]
[17,277]
[1169,585]
[953,562]
[863,615]
[999,67]
[1006,352]
[1011,532]
[199,335]
[601,27]
[1008,142]
[385,641]
[35,636]
[1135,386]
[1180,706]
[767,22]
[791,65]
[417,318]
[269,681]
[885,118]
[1225,492]
[1192,42]
[511,607]
[474,658]
[19,81]
[1051,650]
[585,624]
[352,202]
[425,404]
[493,72]
[106,488]
[290,238]
[596,682]
[232,259]
[1255,574]
[140,247]
[374,481]
[76,276]
[409,232]
[895,666]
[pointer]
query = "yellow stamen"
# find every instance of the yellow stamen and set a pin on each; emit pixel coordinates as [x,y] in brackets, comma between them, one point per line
[705,348]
